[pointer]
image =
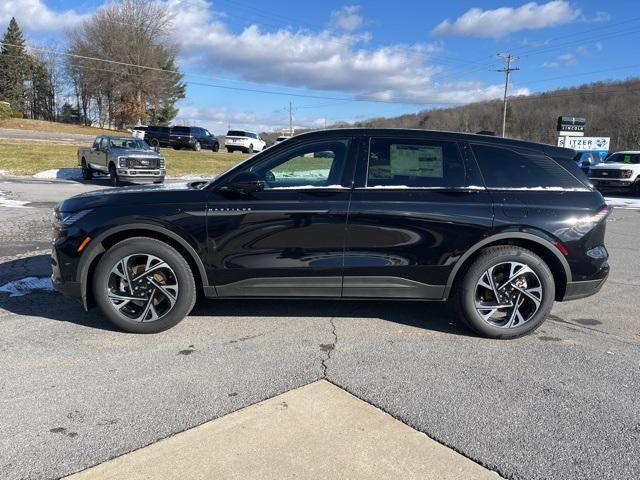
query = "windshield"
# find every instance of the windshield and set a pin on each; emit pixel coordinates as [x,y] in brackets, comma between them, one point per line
[629,158]
[131,143]
[236,133]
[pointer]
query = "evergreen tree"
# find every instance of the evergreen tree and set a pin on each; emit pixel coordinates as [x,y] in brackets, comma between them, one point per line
[13,67]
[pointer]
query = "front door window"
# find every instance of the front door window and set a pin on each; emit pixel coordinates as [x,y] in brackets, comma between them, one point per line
[313,165]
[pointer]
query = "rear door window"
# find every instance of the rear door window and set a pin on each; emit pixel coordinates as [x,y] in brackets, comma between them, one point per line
[415,164]
[513,168]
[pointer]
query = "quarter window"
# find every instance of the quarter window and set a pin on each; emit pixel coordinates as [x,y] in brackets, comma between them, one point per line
[415,164]
[518,168]
[314,165]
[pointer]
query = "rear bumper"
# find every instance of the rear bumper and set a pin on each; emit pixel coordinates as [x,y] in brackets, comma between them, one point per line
[576,290]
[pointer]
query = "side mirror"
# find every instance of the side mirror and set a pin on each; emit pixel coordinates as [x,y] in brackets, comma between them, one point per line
[247,182]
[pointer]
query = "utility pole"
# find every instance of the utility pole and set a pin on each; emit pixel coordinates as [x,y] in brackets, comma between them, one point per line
[290,119]
[508,58]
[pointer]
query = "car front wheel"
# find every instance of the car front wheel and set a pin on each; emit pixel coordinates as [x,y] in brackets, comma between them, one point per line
[507,292]
[216,147]
[144,286]
[113,176]
[87,173]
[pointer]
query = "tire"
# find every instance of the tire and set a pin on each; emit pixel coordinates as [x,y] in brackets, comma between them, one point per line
[197,147]
[87,173]
[215,147]
[136,316]
[113,176]
[635,188]
[229,150]
[250,148]
[472,291]
[175,147]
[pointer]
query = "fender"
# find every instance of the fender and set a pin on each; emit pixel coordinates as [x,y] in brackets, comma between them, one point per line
[96,248]
[507,236]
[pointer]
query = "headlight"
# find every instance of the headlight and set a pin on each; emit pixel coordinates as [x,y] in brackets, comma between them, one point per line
[627,173]
[161,162]
[123,162]
[66,219]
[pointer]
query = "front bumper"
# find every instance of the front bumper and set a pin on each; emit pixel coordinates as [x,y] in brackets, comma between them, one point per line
[63,285]
[141,176]
[618,183]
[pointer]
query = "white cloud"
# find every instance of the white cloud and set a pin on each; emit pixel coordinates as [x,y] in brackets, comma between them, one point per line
[35,16]
[324,61]
[564,60]
[505,20]
[217,120]
[348,18]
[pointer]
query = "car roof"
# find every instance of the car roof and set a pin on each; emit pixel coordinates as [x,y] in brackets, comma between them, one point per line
[454,136]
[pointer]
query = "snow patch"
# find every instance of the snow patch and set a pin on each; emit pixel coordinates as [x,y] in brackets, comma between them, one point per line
[63,173]
[299,187]
[4,172]
[25,286]
[5,202]
[625,203]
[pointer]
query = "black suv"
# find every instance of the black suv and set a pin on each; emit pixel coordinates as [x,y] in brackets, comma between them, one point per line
[504,227]
[195,138]
[158,135]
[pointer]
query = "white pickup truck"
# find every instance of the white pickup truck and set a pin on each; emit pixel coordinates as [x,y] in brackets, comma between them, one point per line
[124,159]
[619,171]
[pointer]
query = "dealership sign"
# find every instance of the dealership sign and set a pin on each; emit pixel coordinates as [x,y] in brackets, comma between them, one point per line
[583,144]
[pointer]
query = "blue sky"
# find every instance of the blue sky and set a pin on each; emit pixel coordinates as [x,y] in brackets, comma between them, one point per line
[405,55]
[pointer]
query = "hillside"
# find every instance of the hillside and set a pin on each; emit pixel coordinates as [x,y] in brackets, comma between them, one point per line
[612,109]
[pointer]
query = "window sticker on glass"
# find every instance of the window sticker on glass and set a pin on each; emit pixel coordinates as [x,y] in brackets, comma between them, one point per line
[414,160]
[627,159]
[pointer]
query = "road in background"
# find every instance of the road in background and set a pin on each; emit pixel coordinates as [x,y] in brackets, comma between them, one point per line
[562,403]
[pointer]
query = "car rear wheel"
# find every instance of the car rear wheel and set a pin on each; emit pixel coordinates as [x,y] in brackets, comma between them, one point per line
[144,286]
[251,148]
[229,150]
[507,292]
[113,176]
[197,147]
[87,173]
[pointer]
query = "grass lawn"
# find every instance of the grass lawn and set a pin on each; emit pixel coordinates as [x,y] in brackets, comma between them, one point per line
[44,126]
[29,159]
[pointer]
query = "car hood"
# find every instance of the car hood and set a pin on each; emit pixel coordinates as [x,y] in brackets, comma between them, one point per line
[126,197]
[614,166]
[130,152]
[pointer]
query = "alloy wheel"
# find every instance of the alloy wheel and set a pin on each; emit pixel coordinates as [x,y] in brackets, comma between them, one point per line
[508,295]
[142,287]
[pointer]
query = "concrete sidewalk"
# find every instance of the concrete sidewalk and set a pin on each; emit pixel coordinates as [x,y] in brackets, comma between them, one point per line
[316,431]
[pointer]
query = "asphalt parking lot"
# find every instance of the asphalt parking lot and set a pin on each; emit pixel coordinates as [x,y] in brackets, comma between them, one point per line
[562,403]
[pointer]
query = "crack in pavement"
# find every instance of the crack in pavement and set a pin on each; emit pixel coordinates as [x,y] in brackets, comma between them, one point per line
[329,348]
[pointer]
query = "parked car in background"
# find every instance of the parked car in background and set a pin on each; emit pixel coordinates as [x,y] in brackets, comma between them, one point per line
[195,138]
[280,139]
[244,141]
[158,136]
[586,160]
[138,131]
[619,171]
[124,159]
[503,227]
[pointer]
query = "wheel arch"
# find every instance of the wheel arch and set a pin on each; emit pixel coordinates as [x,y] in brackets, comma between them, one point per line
[540,246]
[109,238]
